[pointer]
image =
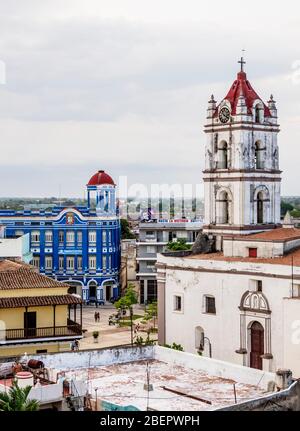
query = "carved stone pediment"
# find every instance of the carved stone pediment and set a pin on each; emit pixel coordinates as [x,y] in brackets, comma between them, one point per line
[255,301]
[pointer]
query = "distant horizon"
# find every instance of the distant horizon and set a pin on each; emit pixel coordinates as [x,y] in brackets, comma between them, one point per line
[128,197]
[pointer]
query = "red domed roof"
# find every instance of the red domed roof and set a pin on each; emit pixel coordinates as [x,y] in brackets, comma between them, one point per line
[242,86]
[100,178]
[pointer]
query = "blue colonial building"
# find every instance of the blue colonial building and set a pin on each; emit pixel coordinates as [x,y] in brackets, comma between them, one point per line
[77,245]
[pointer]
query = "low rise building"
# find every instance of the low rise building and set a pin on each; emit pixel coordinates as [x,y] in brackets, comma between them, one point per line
[153,239]
[35,312]
[128,270]
[77,245]
[16,248]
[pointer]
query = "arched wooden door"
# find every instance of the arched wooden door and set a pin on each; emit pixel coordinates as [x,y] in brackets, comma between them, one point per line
[257,345]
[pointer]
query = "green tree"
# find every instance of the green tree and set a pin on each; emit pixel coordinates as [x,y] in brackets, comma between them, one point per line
[295,213]
[179,244]
[125,230]
[285,207]
[151,312]
[126,303]
[129,298]
[17,400]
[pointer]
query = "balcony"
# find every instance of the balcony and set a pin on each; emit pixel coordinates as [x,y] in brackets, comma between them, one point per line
[71,330]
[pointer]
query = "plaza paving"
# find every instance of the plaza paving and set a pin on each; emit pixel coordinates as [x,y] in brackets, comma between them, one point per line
[108,335]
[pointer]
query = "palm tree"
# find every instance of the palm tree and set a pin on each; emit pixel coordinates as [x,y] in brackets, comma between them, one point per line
[16,399]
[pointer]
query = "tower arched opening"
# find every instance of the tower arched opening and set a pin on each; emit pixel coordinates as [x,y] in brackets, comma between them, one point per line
[224,208]
[223,155]
[258,156]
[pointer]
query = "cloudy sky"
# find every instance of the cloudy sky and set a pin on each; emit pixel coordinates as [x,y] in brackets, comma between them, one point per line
[123,85]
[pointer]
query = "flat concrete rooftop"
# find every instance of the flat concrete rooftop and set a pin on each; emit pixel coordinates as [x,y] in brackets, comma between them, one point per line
[181,381]
[175,388]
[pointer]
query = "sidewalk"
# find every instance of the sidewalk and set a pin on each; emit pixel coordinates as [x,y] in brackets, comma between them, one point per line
[108,335]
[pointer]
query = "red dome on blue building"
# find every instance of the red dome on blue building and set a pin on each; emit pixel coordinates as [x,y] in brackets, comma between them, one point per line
[101,178]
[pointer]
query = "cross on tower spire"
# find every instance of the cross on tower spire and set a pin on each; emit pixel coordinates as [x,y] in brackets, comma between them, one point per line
[242,62]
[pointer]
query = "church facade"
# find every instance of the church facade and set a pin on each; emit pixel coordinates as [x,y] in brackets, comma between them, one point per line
[237,300]
[79,245]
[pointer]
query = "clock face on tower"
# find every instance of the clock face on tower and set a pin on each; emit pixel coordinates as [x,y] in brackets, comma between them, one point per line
[224,115]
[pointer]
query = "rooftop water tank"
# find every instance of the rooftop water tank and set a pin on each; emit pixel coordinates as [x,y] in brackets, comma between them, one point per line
[24,378]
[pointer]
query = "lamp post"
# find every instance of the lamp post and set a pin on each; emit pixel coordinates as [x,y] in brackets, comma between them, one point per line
[96,405]
[131,325]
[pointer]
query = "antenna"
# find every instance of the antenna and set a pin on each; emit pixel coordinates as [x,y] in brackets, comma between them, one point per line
[148,386]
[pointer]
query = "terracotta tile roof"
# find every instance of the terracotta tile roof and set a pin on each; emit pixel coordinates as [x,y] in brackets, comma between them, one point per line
[13,265]
[18,276]
[33,301]
[242,86]
[284,260]
[280,234]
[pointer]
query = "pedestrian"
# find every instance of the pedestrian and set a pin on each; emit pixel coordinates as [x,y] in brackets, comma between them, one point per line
[98,316]
[95,316]
[76,345]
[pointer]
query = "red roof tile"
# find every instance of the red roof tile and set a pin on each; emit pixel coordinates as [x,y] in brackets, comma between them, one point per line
[280,234]
[34,301]
[17,276]
[284,260]
[242,86]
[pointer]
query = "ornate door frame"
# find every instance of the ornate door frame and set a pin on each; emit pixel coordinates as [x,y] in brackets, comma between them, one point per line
[254,307]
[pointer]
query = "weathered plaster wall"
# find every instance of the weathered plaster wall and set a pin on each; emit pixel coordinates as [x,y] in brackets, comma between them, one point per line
[286,400]
[94,358]
[214,367]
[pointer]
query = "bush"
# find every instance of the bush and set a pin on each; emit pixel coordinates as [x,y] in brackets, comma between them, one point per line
[178,245]
[174,346]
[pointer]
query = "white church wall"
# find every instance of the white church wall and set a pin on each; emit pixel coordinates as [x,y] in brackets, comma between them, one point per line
[228,287]
[291,335]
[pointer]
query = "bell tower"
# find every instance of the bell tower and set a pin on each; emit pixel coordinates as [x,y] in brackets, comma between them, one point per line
[241,177]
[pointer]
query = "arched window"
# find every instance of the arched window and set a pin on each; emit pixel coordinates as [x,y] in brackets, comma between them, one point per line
[258,156]
[260,208]
[199,338]
[223,156]
[257,114]
[223,208]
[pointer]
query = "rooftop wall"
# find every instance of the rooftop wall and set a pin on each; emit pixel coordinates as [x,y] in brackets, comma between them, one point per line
[117,355]
[214,367]
[95,358]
